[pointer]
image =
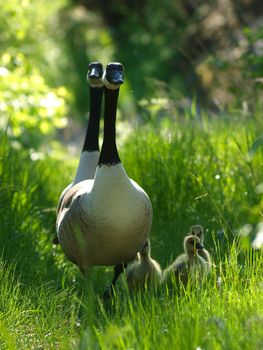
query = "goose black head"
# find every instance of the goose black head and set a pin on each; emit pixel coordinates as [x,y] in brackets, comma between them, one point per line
[94,75]
[113,75]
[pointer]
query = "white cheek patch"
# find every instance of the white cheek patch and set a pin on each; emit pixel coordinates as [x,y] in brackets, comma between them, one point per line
[96,83]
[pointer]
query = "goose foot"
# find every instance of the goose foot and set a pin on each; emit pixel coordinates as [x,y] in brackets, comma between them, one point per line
[118,270]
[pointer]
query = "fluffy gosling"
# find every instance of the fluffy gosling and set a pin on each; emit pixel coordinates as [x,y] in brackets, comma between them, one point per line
[197,230]
[188,265]
[143,270]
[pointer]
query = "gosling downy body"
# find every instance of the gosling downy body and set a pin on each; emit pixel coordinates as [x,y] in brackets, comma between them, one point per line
[197,230]
[145,269]
[105,220]
[189,265]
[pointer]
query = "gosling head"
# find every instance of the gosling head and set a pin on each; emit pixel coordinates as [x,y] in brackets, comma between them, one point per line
[94,75]
[192,244]
[113,75]
[146,249]
[197,230]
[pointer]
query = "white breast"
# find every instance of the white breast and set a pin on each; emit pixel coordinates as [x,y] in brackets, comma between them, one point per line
[108,220]
[86,170]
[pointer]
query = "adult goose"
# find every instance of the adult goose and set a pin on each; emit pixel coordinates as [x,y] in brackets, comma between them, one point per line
[89,156]
[144,270]
[105,220]
[90,151]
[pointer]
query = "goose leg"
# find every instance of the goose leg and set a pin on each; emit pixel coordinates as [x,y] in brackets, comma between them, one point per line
[55,240]
[118,270]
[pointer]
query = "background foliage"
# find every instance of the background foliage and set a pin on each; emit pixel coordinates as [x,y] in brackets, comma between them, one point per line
[192,101]
[33,100]
[174,53]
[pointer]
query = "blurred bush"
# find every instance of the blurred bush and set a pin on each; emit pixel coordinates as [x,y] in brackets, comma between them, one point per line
[31,100]
[178,55]
[211,50]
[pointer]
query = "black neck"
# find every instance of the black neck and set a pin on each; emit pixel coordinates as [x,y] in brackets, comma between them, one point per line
[109,153]
[91,142]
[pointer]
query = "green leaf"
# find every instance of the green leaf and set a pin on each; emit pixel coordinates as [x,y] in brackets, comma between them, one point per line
[256,145]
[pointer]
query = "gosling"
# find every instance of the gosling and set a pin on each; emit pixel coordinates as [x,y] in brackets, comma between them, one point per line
[188,265]
[144,270]
[197,230]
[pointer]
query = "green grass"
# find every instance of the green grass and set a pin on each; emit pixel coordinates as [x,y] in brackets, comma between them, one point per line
[202,171]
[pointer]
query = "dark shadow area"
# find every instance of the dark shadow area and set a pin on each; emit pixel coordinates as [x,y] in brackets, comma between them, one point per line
[191,46]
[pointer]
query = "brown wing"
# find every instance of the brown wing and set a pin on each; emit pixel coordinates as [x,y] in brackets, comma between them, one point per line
[66,200]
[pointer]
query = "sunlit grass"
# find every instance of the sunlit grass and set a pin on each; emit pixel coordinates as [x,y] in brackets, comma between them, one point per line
[195,171]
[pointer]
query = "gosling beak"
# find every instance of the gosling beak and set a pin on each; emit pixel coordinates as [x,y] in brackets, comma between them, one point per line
[199,246]
[144,246]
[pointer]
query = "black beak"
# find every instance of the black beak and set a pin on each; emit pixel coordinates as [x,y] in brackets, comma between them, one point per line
[93,74]
[95,70]
[115,77]
[199,246]
[144,246]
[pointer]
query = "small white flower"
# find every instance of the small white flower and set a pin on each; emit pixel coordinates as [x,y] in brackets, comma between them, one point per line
[3,72]
[258,240]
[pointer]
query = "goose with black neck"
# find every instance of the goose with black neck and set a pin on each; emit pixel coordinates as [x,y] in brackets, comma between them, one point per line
[105,221]
[90,151]
[89,156]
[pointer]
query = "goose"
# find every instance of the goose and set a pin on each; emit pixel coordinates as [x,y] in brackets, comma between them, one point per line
[105,220]
[145,269]
[89,156]
[197,230]
[188,265]
[90,152]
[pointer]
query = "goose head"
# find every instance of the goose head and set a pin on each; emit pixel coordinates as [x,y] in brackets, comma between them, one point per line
[146,249]
[113,75]
[94,75]
[197,230]
[192,244]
